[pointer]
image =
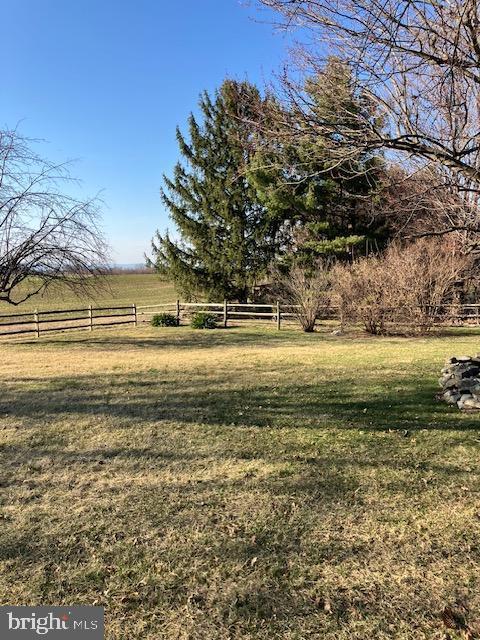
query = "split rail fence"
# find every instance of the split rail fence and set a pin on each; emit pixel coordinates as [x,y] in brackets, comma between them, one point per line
[90,318]
[39,322]
[226,311]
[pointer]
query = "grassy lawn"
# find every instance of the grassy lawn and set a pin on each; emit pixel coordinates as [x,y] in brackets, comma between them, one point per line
[118,290]
[240,483]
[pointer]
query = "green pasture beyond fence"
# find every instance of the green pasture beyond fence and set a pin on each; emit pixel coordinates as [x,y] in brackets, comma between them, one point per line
[89,318]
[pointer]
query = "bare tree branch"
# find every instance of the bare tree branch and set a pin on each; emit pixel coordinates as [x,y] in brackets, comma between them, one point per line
[45,235]
[418,61]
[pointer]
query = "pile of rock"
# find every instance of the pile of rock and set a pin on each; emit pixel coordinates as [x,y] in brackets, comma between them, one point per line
[460,382]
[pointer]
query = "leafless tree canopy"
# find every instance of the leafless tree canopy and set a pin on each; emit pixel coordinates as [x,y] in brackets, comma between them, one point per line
[45,235]
[418,60]
[427,203]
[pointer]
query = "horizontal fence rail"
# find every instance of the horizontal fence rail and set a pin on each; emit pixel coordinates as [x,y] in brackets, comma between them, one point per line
[90,317]
[38,322]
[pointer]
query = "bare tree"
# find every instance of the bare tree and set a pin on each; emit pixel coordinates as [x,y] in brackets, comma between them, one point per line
[428,203]
[417,61]
[46,235]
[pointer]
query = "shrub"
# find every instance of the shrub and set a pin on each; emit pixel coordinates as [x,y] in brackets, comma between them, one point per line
[164,320]
[360,291]
[203,320]
[307,289]
[402,291]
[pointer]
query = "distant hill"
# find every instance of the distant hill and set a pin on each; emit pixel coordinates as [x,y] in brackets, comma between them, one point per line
[129,265]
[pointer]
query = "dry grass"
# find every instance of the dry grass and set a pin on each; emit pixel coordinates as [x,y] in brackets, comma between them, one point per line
[118,290]
[239,483]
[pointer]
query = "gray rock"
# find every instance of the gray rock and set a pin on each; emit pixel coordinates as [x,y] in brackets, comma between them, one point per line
[461,367]
[471,403]
[451,397]
[460,382]
[467,384]
[475,390]
[463,398]
[450,383]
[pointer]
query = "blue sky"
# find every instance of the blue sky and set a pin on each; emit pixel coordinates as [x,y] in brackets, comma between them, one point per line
[106,82]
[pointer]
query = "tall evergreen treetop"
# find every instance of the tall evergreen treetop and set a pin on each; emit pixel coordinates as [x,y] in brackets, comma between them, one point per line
[224,241]
[325,202]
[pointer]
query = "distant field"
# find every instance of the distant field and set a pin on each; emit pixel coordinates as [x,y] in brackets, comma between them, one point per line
[240,484]
[123,289]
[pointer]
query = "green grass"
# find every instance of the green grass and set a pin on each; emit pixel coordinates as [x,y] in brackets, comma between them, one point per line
[240,484]
[118,290]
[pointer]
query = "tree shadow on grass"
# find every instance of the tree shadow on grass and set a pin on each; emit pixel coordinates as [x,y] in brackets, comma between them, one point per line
[174,486]
[369,404]
[274,535]
[256,336]
[200,518]
[182,339]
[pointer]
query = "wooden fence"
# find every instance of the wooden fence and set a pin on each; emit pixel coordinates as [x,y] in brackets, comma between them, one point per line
[40,322]
[227,311]
[448,314]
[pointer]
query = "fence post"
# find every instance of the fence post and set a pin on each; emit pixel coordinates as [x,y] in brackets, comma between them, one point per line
[90,318]
[225,313]
[279,317]
[37,324]
[178,313]
[134,310]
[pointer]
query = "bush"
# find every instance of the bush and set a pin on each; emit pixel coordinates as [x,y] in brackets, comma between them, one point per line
[307,289]
[203,320]
[402,291]
[164,320]
[360,291]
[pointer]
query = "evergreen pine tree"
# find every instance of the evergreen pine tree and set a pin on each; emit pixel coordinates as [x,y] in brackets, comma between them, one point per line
[225,241]
[324,204]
